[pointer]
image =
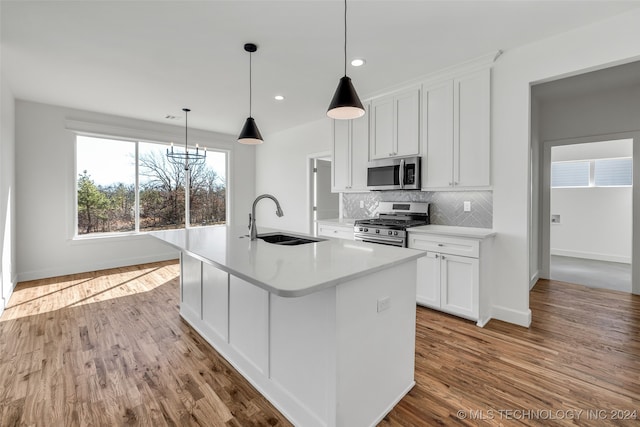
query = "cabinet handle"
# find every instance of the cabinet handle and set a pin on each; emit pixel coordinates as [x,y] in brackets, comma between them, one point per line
[455,183]
[441,244]
[451,184]
[335,231]
[437,256]
[443,257]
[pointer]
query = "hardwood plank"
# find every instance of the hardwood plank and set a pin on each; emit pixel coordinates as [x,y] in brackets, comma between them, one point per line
[109,348]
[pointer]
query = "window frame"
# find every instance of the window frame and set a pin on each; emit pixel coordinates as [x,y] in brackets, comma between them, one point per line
[137,232]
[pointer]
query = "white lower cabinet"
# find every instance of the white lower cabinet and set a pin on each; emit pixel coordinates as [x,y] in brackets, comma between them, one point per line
[449,276]
[459,285]
[339,231]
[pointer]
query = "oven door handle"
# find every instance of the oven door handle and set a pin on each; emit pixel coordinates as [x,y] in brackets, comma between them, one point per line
[401,173]
[379,238]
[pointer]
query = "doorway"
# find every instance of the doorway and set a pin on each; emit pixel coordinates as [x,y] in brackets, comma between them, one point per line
[323,204]
[591,196]
[586,107]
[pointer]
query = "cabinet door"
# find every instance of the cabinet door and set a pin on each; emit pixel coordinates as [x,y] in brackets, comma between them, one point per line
[340,166]
[437,128]
[382,141]
[428,280]
[459,280]
[360,151]
[407,123]
[472,129]
[215,298]
[249,322]
[191,270]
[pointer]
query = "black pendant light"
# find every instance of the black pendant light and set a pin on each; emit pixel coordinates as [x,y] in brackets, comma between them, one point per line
[250,133]
[345,103]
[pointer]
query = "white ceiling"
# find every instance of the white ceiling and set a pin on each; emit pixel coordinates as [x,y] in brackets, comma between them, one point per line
[147,59]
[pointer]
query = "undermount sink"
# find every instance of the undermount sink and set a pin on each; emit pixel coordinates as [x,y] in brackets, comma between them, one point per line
[287,239]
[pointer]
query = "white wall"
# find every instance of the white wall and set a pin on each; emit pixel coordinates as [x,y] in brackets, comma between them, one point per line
[8,273]
[593,150]
[600,113]
[607,42]
[595,222]
[45,184]
[282,170]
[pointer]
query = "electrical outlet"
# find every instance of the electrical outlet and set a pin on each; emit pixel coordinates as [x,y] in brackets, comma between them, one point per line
[384,304]
[467,206]
[361,204]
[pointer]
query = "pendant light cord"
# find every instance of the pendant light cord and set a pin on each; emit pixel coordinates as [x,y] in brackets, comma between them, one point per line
[250,84]
[345,38]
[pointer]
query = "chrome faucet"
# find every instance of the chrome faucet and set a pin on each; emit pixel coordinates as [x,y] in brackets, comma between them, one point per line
[253,231]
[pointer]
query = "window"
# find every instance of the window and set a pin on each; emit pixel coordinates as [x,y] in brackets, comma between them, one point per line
[570,174]
[613,172]
[593,173]
[106,185]
[110,201]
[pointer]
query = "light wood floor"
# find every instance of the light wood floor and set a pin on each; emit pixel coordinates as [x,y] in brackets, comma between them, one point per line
[109,348]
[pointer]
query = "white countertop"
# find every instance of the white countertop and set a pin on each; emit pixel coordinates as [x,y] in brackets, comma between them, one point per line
[288,271]
[448,230]
[337,221]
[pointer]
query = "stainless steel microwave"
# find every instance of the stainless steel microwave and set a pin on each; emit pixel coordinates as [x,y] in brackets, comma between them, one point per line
[401,173]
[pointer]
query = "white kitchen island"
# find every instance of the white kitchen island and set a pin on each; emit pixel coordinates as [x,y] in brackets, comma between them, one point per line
[325,331]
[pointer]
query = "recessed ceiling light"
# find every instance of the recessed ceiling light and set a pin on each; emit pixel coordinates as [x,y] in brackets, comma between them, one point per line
[278,97]
[358,62]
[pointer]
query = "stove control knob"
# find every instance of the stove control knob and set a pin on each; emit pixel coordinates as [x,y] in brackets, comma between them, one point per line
[395,233]
[366,230]
[360,229]
[391,233]
[377,231]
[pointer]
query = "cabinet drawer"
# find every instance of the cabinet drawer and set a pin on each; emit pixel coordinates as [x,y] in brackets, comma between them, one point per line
[335,231]
[445,244]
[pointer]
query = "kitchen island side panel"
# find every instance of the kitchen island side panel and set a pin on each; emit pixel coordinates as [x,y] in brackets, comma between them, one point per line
[376,318]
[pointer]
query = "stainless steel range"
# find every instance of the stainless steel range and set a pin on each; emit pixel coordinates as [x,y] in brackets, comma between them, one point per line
[390,227]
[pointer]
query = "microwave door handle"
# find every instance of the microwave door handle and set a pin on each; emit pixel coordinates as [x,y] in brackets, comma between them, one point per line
[401,173]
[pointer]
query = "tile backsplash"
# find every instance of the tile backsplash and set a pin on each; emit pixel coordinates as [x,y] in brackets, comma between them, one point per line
[447,207]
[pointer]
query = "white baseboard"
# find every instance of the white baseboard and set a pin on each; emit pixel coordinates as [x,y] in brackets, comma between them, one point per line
[521,318]
[4,299]
[534,279]
[95,266]
[592,255]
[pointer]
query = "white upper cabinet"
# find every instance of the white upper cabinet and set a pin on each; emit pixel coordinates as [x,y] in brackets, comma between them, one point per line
[395,125]
[471,130]
[456,132]
[382,142]
[437,126]
[350,154]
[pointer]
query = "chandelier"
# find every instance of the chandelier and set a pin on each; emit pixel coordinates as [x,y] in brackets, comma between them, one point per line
[186,158]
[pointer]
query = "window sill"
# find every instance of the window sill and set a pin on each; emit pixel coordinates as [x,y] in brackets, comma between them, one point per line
[93,238]
[124,236]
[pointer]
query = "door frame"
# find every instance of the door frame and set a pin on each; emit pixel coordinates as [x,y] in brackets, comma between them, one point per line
[545,205]
[311,159]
